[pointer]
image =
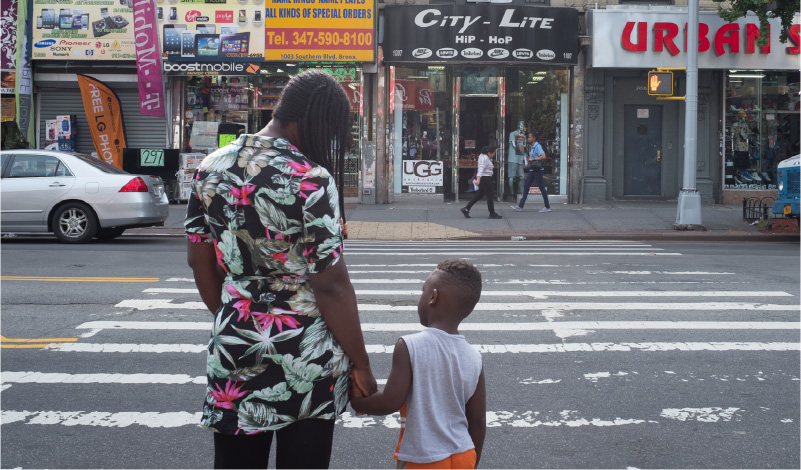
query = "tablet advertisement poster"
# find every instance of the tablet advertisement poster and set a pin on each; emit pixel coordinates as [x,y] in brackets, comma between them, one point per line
[217,30]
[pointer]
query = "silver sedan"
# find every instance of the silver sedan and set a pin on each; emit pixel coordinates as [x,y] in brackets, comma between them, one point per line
[75,196]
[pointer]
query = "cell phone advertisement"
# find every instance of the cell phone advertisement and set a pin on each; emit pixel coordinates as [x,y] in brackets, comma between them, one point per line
[211,30]
[84,30]
[320,30]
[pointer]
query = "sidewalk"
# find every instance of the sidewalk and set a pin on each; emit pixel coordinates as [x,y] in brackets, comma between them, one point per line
[426,217]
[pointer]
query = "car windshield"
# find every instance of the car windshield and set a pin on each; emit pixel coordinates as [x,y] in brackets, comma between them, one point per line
[99,164]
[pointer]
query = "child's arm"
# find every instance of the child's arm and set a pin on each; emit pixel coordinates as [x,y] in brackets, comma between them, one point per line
[396,390]
[476,412]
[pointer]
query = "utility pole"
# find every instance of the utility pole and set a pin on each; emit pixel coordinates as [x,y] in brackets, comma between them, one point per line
[688,215]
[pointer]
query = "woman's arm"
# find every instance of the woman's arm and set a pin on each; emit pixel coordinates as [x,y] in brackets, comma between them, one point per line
[476,411]
[208,276]
[396,390]
[336,300]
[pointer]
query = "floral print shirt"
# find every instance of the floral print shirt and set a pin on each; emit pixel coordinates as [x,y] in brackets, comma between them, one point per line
[273,217]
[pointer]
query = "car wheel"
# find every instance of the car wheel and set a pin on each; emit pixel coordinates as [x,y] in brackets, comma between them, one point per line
[74,223]
[109,233]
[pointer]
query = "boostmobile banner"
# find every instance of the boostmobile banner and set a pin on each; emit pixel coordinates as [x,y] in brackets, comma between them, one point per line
[320,30]
[104,114]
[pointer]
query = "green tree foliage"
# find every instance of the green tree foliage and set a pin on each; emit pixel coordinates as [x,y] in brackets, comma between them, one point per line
[764,10]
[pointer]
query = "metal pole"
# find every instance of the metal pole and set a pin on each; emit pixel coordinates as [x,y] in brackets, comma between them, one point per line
[688,216]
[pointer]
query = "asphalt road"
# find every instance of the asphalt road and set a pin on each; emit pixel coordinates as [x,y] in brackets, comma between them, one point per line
[597,354]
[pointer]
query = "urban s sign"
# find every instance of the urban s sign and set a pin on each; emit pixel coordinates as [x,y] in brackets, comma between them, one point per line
[481,33]
[638,38]
[422,173]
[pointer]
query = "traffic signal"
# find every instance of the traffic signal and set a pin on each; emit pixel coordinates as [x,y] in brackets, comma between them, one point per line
[660,83]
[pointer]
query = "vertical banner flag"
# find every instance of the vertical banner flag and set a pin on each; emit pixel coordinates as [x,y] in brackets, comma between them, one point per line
[104,114]
[148,59]
[24,85]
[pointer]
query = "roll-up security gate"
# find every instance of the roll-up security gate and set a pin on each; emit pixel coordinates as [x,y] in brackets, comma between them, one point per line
[140,131]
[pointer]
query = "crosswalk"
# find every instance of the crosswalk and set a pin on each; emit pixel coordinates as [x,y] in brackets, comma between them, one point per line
[607,312]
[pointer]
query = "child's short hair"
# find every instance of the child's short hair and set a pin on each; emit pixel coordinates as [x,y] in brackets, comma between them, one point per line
[465,278]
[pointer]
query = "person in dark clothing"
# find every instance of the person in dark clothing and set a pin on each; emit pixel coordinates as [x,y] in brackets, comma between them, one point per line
[484,183]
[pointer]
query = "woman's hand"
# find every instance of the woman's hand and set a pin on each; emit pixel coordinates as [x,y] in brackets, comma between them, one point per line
[344,227]
[363,383]
[478,180]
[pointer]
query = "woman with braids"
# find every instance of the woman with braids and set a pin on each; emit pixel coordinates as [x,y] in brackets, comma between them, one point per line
[265,247]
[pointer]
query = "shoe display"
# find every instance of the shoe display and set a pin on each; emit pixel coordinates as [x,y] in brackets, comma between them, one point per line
[755,176]
[545,209]
[745,177]
[495,216]
[465,212]
[517,208]
[738,180]
[766,177]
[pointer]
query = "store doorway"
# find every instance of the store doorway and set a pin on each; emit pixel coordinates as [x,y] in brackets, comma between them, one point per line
[642,150]
[479,124]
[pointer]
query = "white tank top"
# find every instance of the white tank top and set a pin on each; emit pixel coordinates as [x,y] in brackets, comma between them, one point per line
[445,371]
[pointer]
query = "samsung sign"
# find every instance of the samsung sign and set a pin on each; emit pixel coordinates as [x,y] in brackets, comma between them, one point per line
[481,33]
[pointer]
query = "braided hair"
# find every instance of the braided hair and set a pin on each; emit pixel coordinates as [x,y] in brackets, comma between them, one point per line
[320,107]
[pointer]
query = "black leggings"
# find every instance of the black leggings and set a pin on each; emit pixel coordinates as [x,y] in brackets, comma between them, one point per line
[303,444]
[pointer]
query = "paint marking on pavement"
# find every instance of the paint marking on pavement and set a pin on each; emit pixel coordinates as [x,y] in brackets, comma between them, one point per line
[539,294]
[26,343]
[59,378]
[682,273]
[515,419]
[471,254]
[702,415]
[482,348]
[494,326]
[509,248]
[79,279]
[154,304]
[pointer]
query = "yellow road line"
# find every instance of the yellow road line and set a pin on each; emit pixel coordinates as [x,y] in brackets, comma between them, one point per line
[39,340]
[26,346]
[79,279]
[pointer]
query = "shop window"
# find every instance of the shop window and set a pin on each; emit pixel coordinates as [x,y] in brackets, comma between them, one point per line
[537,101]
[761,128]
[422,124]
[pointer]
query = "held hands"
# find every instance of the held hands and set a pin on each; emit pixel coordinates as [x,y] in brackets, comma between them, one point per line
[363,383]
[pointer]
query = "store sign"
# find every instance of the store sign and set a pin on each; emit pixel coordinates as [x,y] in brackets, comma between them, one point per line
[211,30]
[422,173]
[481,33]
[414,95]
[229,97]
[9,109]
[649,39]
[211,68]
[8,29]
[81,30]
[320,30]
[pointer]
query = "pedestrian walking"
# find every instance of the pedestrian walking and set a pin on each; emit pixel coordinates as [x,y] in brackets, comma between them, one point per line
[484,183]
[437,379]
[535,172]
[265,248]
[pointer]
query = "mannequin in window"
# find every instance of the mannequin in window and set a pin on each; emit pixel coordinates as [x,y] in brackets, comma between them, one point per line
[514,160]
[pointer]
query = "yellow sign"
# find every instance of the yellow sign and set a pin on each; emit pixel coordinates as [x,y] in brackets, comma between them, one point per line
[320,31]
[660,83]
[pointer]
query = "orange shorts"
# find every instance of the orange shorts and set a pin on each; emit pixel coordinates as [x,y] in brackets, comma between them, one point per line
[464,460]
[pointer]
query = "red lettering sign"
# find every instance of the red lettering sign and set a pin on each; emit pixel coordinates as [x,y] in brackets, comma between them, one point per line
[665,33]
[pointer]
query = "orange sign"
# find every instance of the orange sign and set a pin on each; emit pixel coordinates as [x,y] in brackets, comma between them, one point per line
[320,31]
[104,113]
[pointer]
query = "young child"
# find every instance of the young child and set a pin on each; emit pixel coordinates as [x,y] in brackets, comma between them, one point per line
[437,379]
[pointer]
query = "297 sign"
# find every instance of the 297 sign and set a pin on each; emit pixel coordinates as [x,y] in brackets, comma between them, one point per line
[422,173]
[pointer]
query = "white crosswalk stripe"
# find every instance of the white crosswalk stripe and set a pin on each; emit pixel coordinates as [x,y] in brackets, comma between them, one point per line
[537,315]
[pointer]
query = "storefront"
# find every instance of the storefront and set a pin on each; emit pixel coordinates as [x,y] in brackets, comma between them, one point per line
[469,76]
[213,107]
[227,62]
[748,106]
[72,37]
